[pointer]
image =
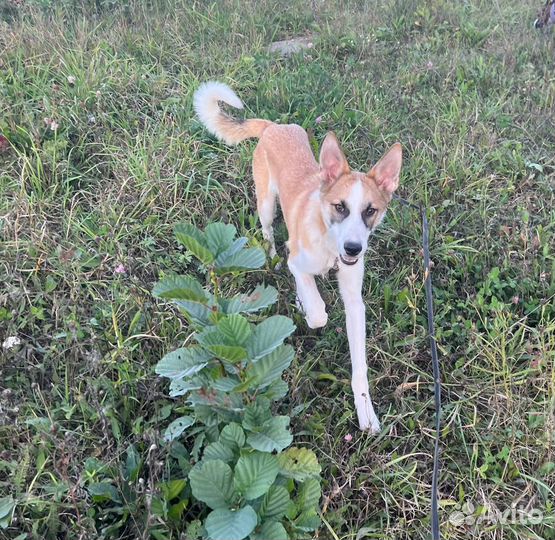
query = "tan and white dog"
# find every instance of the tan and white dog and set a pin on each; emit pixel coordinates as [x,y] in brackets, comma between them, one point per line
[329,211]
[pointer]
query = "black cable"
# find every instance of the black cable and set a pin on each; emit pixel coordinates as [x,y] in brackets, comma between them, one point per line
[436,535]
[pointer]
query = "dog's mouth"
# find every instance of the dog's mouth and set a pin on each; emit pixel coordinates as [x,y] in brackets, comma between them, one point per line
[349,261]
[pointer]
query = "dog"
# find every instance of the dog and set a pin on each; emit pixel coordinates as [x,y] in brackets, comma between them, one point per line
[329,210]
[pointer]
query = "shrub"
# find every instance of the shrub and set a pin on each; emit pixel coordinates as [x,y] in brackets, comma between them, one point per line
[250,482]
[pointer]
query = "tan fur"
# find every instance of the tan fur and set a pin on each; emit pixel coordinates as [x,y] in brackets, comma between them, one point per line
[314,197]
[236,131]
[283,155]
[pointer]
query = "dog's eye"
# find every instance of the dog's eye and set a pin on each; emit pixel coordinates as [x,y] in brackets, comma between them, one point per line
[340,208]
[370,211]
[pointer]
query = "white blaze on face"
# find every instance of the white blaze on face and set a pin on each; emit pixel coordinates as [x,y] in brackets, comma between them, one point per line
[352,229]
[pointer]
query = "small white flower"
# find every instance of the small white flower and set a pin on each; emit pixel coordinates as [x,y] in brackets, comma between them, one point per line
[54,125]
[11,342]
[71,79]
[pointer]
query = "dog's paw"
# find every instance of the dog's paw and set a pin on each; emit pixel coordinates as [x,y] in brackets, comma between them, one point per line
[373,426]
[318,320]
[367,419]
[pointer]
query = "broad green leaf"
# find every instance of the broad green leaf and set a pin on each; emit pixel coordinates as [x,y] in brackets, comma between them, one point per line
[211,336]
[262,296]
[172,488]
[275,502]
[309,494]
[235,328]
[179,387]
[176,511]
[218,450]
[214,340]
[177,427]
[219,237]
[270,530]
[198,312]
[229,353]
[7,506]
[270,367]
[183,362]
[103,491]
[256,414]
[180,288]
[273,435]
[233,436]
[214,398]
[231,250]
[211,482]
[195,241]
[225,384]
[225,524]
[254,474]
[268,335]
[246,259]
[247,384]
[308,521]
[277,390]
[209,416]
[299,464]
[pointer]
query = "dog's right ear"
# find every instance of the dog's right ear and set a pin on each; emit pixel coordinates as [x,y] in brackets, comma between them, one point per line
[332,161]
[386,172]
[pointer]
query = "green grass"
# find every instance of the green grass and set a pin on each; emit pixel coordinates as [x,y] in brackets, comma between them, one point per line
[467,87]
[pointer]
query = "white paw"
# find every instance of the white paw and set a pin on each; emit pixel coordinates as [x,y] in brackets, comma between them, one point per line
[318,320]
[367,419]
[372,426]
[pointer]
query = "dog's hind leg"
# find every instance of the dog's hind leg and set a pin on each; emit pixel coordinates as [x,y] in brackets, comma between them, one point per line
[266,194]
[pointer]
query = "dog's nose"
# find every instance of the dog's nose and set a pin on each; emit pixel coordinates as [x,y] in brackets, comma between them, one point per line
[352,249]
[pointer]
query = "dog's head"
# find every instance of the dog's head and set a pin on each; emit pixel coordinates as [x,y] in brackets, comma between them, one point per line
[354,203]
[546,15]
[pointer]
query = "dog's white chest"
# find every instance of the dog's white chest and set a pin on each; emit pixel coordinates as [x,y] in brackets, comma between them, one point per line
[318,260]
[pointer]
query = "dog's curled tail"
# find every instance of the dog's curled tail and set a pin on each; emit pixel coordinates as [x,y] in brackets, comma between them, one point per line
[206,103]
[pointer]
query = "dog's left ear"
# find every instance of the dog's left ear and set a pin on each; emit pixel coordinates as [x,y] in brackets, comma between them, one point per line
[386,172]
[332,161]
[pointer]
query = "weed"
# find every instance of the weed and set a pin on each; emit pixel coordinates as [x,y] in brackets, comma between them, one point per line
[467,87]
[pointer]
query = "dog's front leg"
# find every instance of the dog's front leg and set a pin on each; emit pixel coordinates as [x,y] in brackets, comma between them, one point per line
[308,296]
[350,285]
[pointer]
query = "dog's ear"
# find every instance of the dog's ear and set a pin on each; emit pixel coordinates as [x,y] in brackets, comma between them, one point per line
[386,172]
[332,161]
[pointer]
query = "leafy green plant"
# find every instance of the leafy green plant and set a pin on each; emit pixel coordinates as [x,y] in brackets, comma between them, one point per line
[252,483]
